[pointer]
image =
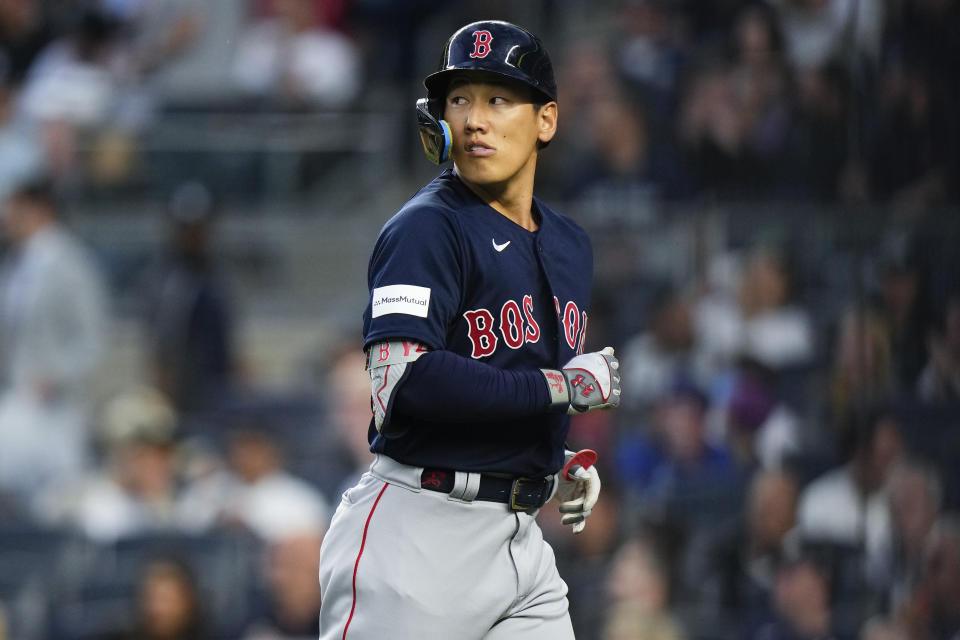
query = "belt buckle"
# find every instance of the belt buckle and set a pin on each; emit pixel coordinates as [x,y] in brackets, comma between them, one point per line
[515,494]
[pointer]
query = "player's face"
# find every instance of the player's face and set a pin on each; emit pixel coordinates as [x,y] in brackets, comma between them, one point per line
[495,128]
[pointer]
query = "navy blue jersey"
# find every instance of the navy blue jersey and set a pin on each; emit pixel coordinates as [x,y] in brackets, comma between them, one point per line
[451,272]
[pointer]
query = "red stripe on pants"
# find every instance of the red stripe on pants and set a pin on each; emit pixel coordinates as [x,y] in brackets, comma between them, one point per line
[359,555]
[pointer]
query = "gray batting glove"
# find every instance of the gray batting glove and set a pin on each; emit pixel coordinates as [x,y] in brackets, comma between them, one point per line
[577,492]
[587,382]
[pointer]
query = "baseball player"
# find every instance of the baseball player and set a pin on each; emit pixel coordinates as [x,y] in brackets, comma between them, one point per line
[474,336]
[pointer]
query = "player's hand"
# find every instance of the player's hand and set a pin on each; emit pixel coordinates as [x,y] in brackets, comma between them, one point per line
[577,491]
[588,381]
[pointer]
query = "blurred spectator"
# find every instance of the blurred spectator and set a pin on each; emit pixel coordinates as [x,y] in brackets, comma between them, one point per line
[294,60]
[330,12]
[818,30]
[54,320]
[615,179]
[910,160]
[801,603]
[762,83]
[585,559]
[820,165]
[849,505]
[180,49]
[916,496]
[652,49]
[712,21]
[735,116]
[777,330]
[756,315]
[585,75]
[639,591]
[189,320]
[673,471]
[712,131]
[158,30]
[25,29]
[653,359]
[21,154]
[255,493]
[136,492]
[730,569]
[345,385]
[861,374]
[72,90]
[292,607]
[901,302]
[882,628]
[169,605]
[941,581]
[761,430]
[940,380]
[150,36]
[925,36]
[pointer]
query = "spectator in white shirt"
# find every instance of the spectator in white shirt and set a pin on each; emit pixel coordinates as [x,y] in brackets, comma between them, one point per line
[292,59]
[53,323]
[849,505]
[255,492]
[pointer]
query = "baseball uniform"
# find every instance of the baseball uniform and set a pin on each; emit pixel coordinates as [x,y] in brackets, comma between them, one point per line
[470,321]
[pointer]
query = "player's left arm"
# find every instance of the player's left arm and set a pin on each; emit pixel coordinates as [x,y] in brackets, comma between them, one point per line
[442,386]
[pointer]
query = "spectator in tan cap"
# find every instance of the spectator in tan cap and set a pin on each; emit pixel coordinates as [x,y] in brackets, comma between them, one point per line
[136,491]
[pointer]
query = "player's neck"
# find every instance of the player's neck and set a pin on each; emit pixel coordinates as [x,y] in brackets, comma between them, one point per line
[512,199]
[518,208]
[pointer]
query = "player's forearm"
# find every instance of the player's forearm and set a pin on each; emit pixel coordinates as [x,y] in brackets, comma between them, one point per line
[444,386]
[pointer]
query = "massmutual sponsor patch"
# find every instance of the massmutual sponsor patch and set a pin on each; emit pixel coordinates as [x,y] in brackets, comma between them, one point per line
[400,298]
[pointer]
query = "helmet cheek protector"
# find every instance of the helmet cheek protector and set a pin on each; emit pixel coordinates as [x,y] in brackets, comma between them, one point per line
[434,133]
[491,46]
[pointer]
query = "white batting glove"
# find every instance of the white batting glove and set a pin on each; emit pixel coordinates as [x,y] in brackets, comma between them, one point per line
[577,493]
[587,382]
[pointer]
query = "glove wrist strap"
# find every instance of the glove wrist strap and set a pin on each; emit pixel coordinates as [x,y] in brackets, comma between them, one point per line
[557,384]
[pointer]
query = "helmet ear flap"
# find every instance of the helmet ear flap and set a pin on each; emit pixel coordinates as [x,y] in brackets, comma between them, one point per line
[435,133]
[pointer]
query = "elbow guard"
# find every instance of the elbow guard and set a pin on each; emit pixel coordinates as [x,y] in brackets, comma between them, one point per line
[387,363]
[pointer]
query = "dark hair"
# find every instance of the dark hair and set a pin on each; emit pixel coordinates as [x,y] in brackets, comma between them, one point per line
[938,324]
[859,430]
[39,190]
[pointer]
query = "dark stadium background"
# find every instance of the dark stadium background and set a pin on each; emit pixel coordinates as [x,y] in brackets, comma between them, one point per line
[772,191]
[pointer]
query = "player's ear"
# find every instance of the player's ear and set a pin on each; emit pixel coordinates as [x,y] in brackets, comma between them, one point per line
[547,122]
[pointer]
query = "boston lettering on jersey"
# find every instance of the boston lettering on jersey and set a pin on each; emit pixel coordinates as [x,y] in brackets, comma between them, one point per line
[518,328]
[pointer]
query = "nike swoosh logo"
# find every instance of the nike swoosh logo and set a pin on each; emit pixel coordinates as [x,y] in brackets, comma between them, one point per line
[499,247]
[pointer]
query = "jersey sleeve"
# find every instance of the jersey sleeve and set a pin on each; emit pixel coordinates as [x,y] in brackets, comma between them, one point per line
[445,387]
[414,278]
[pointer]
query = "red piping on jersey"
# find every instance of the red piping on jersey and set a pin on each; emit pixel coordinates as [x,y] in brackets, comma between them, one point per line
[385,379]
[356,565]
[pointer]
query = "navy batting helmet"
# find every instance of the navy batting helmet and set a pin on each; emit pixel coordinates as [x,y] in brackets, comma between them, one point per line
[493,46]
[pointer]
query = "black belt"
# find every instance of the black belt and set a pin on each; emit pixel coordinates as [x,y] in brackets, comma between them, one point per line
[522,494]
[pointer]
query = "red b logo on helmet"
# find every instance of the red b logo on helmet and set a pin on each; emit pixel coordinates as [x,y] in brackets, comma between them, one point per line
[481,43]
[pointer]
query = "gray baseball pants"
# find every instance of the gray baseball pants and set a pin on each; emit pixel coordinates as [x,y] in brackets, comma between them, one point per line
[403,562]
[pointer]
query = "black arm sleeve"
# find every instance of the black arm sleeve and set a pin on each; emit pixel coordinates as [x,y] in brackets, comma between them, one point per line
[444,386]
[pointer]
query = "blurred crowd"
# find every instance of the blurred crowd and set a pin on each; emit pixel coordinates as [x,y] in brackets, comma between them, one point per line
[802,100]
[783,467]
